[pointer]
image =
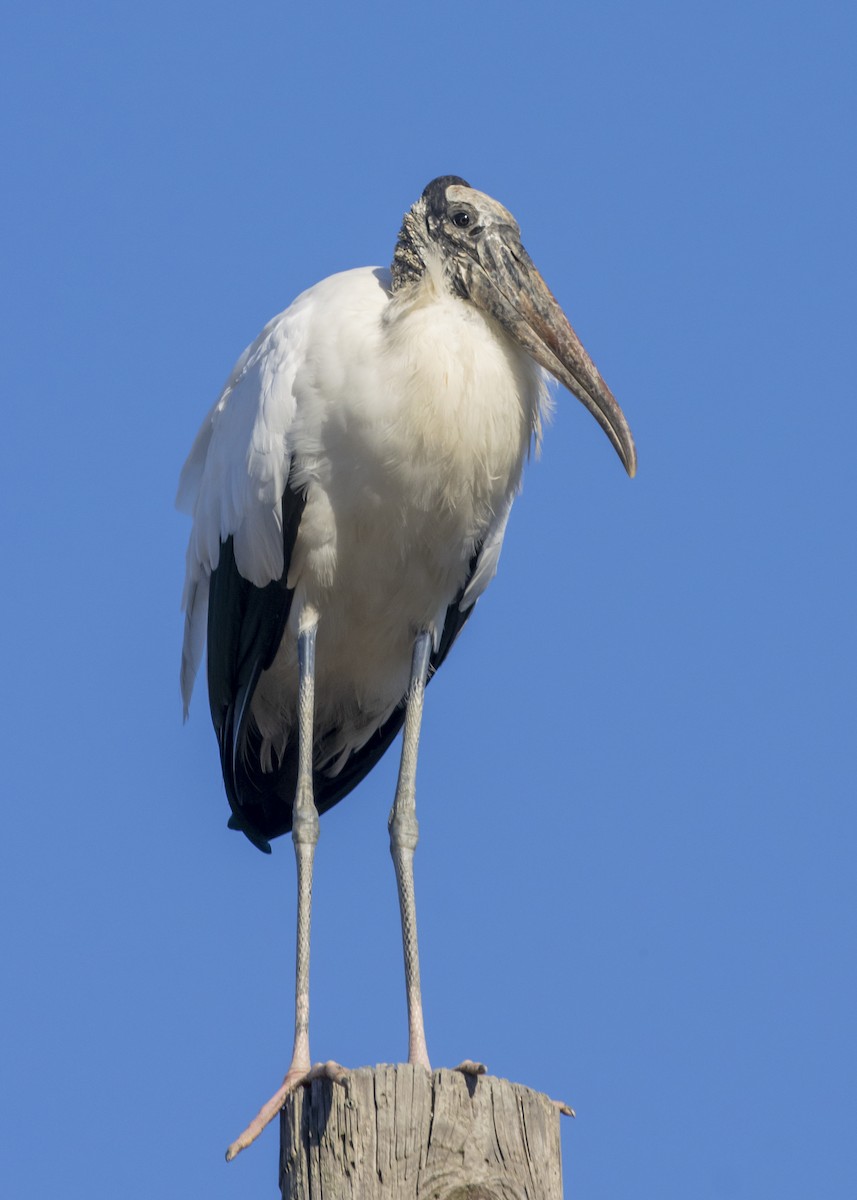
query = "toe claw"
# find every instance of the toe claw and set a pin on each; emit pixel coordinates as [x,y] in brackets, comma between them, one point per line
[331,1070]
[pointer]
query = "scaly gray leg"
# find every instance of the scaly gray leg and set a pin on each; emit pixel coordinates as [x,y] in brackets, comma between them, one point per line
[305,837]
[404,834]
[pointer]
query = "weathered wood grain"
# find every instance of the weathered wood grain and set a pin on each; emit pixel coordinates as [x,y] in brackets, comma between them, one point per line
[398,1133]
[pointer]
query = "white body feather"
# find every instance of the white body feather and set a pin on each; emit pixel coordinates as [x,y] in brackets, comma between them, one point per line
[406,419]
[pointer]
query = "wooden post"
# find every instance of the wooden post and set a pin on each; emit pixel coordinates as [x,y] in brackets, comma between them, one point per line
[398,1133]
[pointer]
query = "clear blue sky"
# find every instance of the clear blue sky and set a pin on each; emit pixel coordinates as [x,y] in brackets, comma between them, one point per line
[636,873]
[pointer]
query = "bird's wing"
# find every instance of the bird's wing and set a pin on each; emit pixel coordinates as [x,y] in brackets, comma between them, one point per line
[236,475]
[235,484]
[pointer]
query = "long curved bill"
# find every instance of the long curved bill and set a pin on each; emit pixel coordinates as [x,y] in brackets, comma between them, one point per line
[506,284]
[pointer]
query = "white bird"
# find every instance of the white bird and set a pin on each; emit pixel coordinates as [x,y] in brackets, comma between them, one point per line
[350,491]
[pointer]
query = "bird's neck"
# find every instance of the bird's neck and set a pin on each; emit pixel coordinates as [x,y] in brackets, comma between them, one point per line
[409,257]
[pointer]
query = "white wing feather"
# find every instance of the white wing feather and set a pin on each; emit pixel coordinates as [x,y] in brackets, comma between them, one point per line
[489,556]
[235,475]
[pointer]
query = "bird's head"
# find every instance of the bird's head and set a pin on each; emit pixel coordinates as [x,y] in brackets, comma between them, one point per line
[478,243]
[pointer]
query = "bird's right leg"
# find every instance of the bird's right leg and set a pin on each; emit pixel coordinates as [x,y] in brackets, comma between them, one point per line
[305,838]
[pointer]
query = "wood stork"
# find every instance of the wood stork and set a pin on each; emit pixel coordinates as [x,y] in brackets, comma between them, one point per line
[350,491]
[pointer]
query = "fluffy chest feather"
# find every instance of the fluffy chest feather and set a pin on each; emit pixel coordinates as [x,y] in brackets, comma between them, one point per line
[419,442]
[461,404]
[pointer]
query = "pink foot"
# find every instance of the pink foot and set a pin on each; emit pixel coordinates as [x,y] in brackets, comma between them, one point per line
[469,1067]
[294,1079]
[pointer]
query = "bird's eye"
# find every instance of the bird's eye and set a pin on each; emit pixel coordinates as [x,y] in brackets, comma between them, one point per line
[461,219]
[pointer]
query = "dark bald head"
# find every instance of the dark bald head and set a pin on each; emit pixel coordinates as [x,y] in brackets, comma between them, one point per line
[420,227]
[434,194]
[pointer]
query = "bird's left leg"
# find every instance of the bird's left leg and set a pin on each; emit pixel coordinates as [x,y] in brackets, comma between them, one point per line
[404,833]
[305,837]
